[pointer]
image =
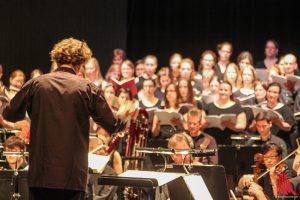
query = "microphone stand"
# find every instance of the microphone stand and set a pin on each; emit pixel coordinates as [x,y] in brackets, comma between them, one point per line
[183,152]
[15,195]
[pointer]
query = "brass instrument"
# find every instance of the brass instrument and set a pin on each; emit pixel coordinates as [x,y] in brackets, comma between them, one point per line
[137,137]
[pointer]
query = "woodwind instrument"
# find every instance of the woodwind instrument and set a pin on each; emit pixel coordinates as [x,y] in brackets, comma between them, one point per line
[137,137]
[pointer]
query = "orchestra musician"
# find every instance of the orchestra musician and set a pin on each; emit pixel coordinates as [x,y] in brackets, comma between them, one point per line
[201,140]
[269,184]
[295,181]
[14,144]
[95,191]
[181,141]
[263,126]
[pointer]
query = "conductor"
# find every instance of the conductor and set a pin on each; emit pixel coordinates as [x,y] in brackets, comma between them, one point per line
[59,105]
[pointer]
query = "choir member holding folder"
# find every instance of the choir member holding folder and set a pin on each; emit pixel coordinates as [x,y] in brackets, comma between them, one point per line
[225,106]
[260,92]
[248,75]
[282,127]
[166,120]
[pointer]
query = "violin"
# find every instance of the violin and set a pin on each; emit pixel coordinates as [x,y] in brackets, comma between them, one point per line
[284,187]
[258,161]
[280,163]
[280,168]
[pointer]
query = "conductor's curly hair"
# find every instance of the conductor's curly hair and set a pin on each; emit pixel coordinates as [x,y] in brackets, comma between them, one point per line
[70,51]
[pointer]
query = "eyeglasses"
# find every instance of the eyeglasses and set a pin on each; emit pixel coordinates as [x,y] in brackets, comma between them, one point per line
[269,157]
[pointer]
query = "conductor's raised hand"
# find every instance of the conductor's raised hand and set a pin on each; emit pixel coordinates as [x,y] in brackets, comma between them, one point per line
[126,110]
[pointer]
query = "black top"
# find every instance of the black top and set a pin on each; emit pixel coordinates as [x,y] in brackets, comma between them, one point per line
[59,105]
[101,192]
[5,166]
[296,184]
[159,94]
[218,72]
[222,136]
[156,105]
[287,97]
[261,65]
[265,183]
[272,138]
[167,131]
[141,80]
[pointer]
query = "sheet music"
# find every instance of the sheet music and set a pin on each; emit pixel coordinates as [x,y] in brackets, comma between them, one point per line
[161,177]
[166,117]
[197,187]
[97,162]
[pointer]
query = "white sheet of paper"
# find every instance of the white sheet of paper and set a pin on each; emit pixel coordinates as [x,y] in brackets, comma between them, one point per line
[97,162]
[161,177]
[197,187]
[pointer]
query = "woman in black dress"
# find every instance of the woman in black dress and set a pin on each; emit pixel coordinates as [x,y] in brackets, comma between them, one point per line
[225,105]
[281,127]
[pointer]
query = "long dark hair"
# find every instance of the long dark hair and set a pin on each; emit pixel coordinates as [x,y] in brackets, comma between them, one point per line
[167,104]
[190,98]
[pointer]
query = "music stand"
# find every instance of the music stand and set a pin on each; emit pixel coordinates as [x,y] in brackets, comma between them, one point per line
[241,156]
[15,195]
[214,177]
[5,184]
[179,185]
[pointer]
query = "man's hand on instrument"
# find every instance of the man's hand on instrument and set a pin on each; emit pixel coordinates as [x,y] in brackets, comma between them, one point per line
[245,181]
[256,191]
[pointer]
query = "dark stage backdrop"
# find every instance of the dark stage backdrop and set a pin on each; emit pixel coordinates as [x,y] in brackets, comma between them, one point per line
[190,27]
[30,28]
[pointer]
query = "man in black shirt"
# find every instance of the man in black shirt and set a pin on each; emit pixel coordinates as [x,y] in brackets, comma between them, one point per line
[59,105]
[271,51]
[263,127]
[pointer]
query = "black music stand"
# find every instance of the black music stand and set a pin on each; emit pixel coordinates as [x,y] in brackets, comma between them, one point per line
[15,194]
[213,175]
[5,184]
[179,186]
[237,160]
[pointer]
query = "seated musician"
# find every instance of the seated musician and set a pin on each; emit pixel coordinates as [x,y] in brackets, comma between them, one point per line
[14,144]
[95,191]
[201,140]
[180,141]
[115,158]
[263,126]
[296,166]
[273,183]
